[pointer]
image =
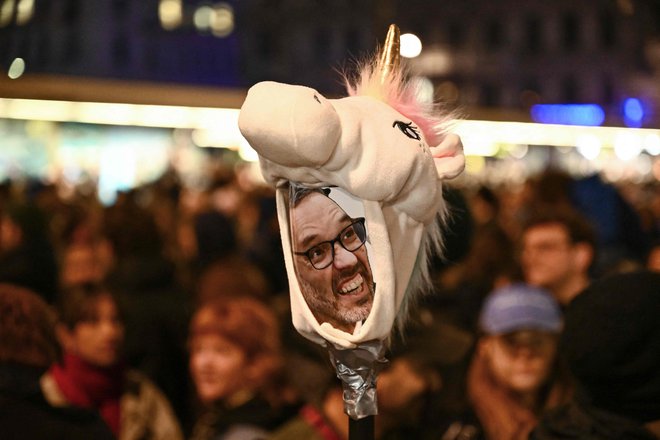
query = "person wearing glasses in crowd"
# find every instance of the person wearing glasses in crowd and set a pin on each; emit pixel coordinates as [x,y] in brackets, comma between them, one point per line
[558,251]
[330,259]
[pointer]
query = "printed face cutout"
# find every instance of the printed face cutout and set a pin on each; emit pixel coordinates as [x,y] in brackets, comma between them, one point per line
[330,248]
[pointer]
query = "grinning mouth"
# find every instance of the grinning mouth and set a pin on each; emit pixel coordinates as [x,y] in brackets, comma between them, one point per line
[352,286]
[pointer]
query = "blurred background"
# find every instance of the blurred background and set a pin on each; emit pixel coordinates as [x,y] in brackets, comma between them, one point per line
[121,159]
[111,94]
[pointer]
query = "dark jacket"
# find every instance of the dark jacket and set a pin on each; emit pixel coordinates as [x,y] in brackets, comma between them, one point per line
[253,420]
[25,414]
[582,422]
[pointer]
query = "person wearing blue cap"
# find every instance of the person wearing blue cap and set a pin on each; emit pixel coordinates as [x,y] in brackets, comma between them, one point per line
[515,374]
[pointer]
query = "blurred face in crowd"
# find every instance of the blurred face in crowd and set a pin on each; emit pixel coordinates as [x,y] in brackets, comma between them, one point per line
[98,338]
[10,234]
[653,259]
[549,259]
[402,383]
[342,292]
[522,360]
[81,265]
[217,367]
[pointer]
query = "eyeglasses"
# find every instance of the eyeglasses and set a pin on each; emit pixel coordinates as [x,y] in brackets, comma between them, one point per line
[351,238]
[535,341]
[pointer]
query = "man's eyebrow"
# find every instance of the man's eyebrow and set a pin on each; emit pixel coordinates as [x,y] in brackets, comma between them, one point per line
[309,240]
[306,242]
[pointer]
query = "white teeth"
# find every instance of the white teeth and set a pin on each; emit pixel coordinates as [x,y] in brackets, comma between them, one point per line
[353,285]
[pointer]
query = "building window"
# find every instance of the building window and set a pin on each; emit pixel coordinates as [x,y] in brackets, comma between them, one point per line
[72,48]
[533,33]
[119,8]
[569,90]
[265,44]
[71,12]
[607,29]
[490,95]
[570,31]
[120,52]
[608,91]
[455,34]
[494,35]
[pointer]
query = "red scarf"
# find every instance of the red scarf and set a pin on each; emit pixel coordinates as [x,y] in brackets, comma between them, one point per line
[89,386]
[315,419]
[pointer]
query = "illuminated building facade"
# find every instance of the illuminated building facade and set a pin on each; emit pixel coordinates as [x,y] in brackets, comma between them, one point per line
[505,54]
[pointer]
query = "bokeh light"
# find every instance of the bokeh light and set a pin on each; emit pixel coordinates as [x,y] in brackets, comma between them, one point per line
[588,146]
[25,11]
[411,45]
[170,13]
[16,68]
[222,20]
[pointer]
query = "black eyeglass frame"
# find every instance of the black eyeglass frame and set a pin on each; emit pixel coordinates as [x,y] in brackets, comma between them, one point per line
[363,239]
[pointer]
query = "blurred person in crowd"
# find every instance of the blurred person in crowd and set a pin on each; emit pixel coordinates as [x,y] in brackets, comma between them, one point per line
[485,206]
[27,257]
[156,309]
[82,263]
[401,388]
[229,276]
[653,257]
[404,390]
[28,347]
[611,342]
[92,373]
[617,227]
[321,418]
[515,373]
[440,351]
[557,251]
[424,363]
[237,369]
[490,263]
[215,238]
[85,255]
[265,245]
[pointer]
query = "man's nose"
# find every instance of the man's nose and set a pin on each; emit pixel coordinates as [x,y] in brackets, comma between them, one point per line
[343,258]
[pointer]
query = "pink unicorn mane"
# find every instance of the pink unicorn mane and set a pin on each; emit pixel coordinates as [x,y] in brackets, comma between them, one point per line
[402,94]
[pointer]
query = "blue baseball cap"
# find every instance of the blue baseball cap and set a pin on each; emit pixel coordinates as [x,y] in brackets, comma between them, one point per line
[520,307]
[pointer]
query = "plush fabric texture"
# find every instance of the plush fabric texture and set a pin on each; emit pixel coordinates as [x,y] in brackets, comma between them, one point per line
[366,147]
[520,307]
[612,344]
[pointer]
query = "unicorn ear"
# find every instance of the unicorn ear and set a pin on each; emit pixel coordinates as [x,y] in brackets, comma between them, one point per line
[448,157]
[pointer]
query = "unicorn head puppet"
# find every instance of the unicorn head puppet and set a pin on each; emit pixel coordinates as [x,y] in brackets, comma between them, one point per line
[381,147]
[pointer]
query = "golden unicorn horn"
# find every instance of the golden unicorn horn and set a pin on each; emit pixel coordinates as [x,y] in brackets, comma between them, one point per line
[389,59]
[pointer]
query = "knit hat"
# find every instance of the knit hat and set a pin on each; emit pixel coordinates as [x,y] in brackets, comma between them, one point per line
[520,307]
[382,147]
[611,341]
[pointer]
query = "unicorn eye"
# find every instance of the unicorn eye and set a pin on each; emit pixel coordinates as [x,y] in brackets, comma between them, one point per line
[408,129]
[317,99]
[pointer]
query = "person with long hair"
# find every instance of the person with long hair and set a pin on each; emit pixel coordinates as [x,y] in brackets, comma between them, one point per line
[92,373]
[237,368]
[515,373]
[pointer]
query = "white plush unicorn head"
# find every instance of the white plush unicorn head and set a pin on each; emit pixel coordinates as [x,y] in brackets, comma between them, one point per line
[385,148]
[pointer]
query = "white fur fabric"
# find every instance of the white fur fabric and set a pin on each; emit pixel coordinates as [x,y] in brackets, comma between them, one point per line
[352,143]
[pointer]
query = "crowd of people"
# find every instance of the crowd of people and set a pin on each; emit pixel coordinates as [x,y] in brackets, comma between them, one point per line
[166,316]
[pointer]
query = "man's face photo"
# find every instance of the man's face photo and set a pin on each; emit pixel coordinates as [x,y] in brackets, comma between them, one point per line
[330,258]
